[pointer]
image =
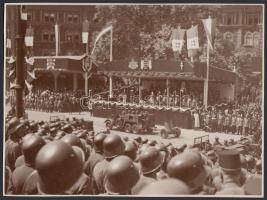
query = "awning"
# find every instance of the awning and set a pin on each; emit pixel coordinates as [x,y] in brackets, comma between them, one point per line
[166,69]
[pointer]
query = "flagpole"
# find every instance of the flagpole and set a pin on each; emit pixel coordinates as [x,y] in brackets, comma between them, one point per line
[206,84]
[111,36]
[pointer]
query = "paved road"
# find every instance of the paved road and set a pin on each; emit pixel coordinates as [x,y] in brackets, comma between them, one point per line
[187,135]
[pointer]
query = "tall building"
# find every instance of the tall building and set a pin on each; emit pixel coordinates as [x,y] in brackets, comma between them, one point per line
[242,26]
[43,19]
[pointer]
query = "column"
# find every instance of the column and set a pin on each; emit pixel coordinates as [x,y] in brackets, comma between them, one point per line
[168,91]
[75,82]
[139,89]
[110,87]
[55,75]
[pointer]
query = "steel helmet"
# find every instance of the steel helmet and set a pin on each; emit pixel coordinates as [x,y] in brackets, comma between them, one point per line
[151,160]
[130,150]
[113,146]
[59,135]
[73,140]
[67,128]
[59,166]
[121,175]
[82,134]
[13,126]
[188,167]
[31,144]
[98,142]
[169,186]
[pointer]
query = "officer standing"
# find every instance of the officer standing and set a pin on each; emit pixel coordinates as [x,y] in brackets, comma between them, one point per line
[231,176]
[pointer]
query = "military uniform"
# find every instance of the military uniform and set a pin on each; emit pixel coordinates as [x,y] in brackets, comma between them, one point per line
[20,181]
[12,152]
[99,174]
[81,186]
[142,182]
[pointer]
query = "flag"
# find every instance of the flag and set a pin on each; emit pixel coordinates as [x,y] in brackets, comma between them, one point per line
[23,13]
[57,39]
[85,28]
[192,38]
[12,72]
[177,39]
[209,26]
[30,77]
[8,43]
[104,31]
[29,37]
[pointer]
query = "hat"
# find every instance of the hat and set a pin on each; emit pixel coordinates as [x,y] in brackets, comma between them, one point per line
[229,160]
[253,185]
[14,125]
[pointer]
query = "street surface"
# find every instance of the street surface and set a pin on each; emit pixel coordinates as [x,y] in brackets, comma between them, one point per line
[187,136]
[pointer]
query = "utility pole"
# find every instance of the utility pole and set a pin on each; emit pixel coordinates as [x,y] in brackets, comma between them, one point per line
[19,64]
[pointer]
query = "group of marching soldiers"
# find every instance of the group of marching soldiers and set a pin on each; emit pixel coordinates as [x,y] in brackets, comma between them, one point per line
[63,158]
[53,102]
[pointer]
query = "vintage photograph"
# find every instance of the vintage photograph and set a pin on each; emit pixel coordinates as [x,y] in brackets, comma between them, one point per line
[133,99]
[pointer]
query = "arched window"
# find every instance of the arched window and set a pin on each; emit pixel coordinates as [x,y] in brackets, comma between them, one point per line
[248,40]
[228,36]
[256,38]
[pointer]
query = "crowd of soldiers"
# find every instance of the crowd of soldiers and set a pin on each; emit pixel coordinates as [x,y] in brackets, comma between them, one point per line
[62,157]
[242,120]
[49,101]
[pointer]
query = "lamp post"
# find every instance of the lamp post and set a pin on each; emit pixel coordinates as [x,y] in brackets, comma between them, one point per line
[19,64]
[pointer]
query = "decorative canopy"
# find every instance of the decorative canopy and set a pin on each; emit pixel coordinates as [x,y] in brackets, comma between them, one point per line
[171,69]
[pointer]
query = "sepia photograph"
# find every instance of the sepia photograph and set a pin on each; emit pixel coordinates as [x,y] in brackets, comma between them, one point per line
[127,99]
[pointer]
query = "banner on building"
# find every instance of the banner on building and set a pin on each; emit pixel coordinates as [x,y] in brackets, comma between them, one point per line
[177,39]
[29,37]
[85,29]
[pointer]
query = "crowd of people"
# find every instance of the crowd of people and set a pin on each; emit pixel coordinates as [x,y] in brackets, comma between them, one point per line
[50,101]
[63,157]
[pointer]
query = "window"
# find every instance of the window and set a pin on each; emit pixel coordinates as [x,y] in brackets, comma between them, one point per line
[256,38]
[29,16]
[46,17]
[73,18]
[231,19]
[228,36]
[248,39]
[48,36]
[253,19]
[72,37]
[50,17]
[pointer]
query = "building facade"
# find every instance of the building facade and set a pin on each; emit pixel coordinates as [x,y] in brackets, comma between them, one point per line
[240,25]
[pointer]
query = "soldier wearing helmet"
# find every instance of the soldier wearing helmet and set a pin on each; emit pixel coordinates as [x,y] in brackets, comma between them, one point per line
[59,166]
[113,146]
[23,180]
[168,186]
[121,176]
[189,168]
[12,145]
[130,150]
[96,154]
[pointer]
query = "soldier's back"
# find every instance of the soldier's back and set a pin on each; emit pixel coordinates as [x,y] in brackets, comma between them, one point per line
[99,174]
[142,182]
